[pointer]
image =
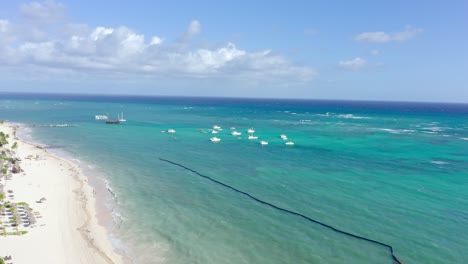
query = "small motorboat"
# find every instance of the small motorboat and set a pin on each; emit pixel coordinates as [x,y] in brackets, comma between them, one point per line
[289,143]
[235,133]
[252,137]
[171,131]
[263,143]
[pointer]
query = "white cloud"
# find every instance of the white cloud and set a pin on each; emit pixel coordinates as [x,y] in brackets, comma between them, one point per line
[194,28]
[4,24]
[46,12]
[6,36]
[383,37]
[101,33]
[353,65]
[375,52]
[80,48]
[156,40]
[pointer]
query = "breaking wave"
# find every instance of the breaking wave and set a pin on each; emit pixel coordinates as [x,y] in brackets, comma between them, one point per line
[438,162]
[345,116]
[396,131]
[56,125]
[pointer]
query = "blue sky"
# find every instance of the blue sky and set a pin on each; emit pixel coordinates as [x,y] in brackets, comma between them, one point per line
[361,50]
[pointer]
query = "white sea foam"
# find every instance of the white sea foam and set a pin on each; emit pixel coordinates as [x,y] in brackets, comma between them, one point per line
[326,114]
[396,131]
[57,125]
[303,121]
[464,138]
[117,217]
[110,190]
[433,129]
[345,116]
[351,116]
[438,162]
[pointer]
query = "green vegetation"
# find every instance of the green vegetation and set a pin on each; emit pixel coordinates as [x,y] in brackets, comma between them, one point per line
[16,233]
[2,196]
[3,139]
[2,261]
[15,145]
[4,170]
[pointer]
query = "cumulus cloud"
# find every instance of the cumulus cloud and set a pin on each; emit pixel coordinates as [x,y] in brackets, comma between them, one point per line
[383,37]
[81,48]
[156,40]
[352,65]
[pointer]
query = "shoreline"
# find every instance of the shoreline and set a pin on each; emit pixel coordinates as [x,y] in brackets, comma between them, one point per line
[78,235]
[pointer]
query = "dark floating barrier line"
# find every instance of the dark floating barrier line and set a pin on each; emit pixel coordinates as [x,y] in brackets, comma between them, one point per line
[288,211]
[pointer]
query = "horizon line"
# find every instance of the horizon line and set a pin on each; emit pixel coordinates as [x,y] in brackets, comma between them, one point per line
[221,97]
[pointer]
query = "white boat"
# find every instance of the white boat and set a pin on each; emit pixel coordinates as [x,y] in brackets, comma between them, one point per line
[252,137]
[101,117]
[289,143]
[235,133]
[250,130]
[233,128]
[214,131]
[263,143]
[283,136]
[217,128]
[215,139]
[171,131]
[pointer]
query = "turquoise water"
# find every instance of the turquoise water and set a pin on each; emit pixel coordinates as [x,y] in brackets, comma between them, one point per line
[393,172]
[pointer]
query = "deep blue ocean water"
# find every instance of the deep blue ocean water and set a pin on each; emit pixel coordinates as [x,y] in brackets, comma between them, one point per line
[395,172]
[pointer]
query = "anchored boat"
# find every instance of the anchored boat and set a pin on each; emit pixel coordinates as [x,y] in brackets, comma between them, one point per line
[119,120]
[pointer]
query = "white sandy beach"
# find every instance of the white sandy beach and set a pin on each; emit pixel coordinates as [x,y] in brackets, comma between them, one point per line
[67,229]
